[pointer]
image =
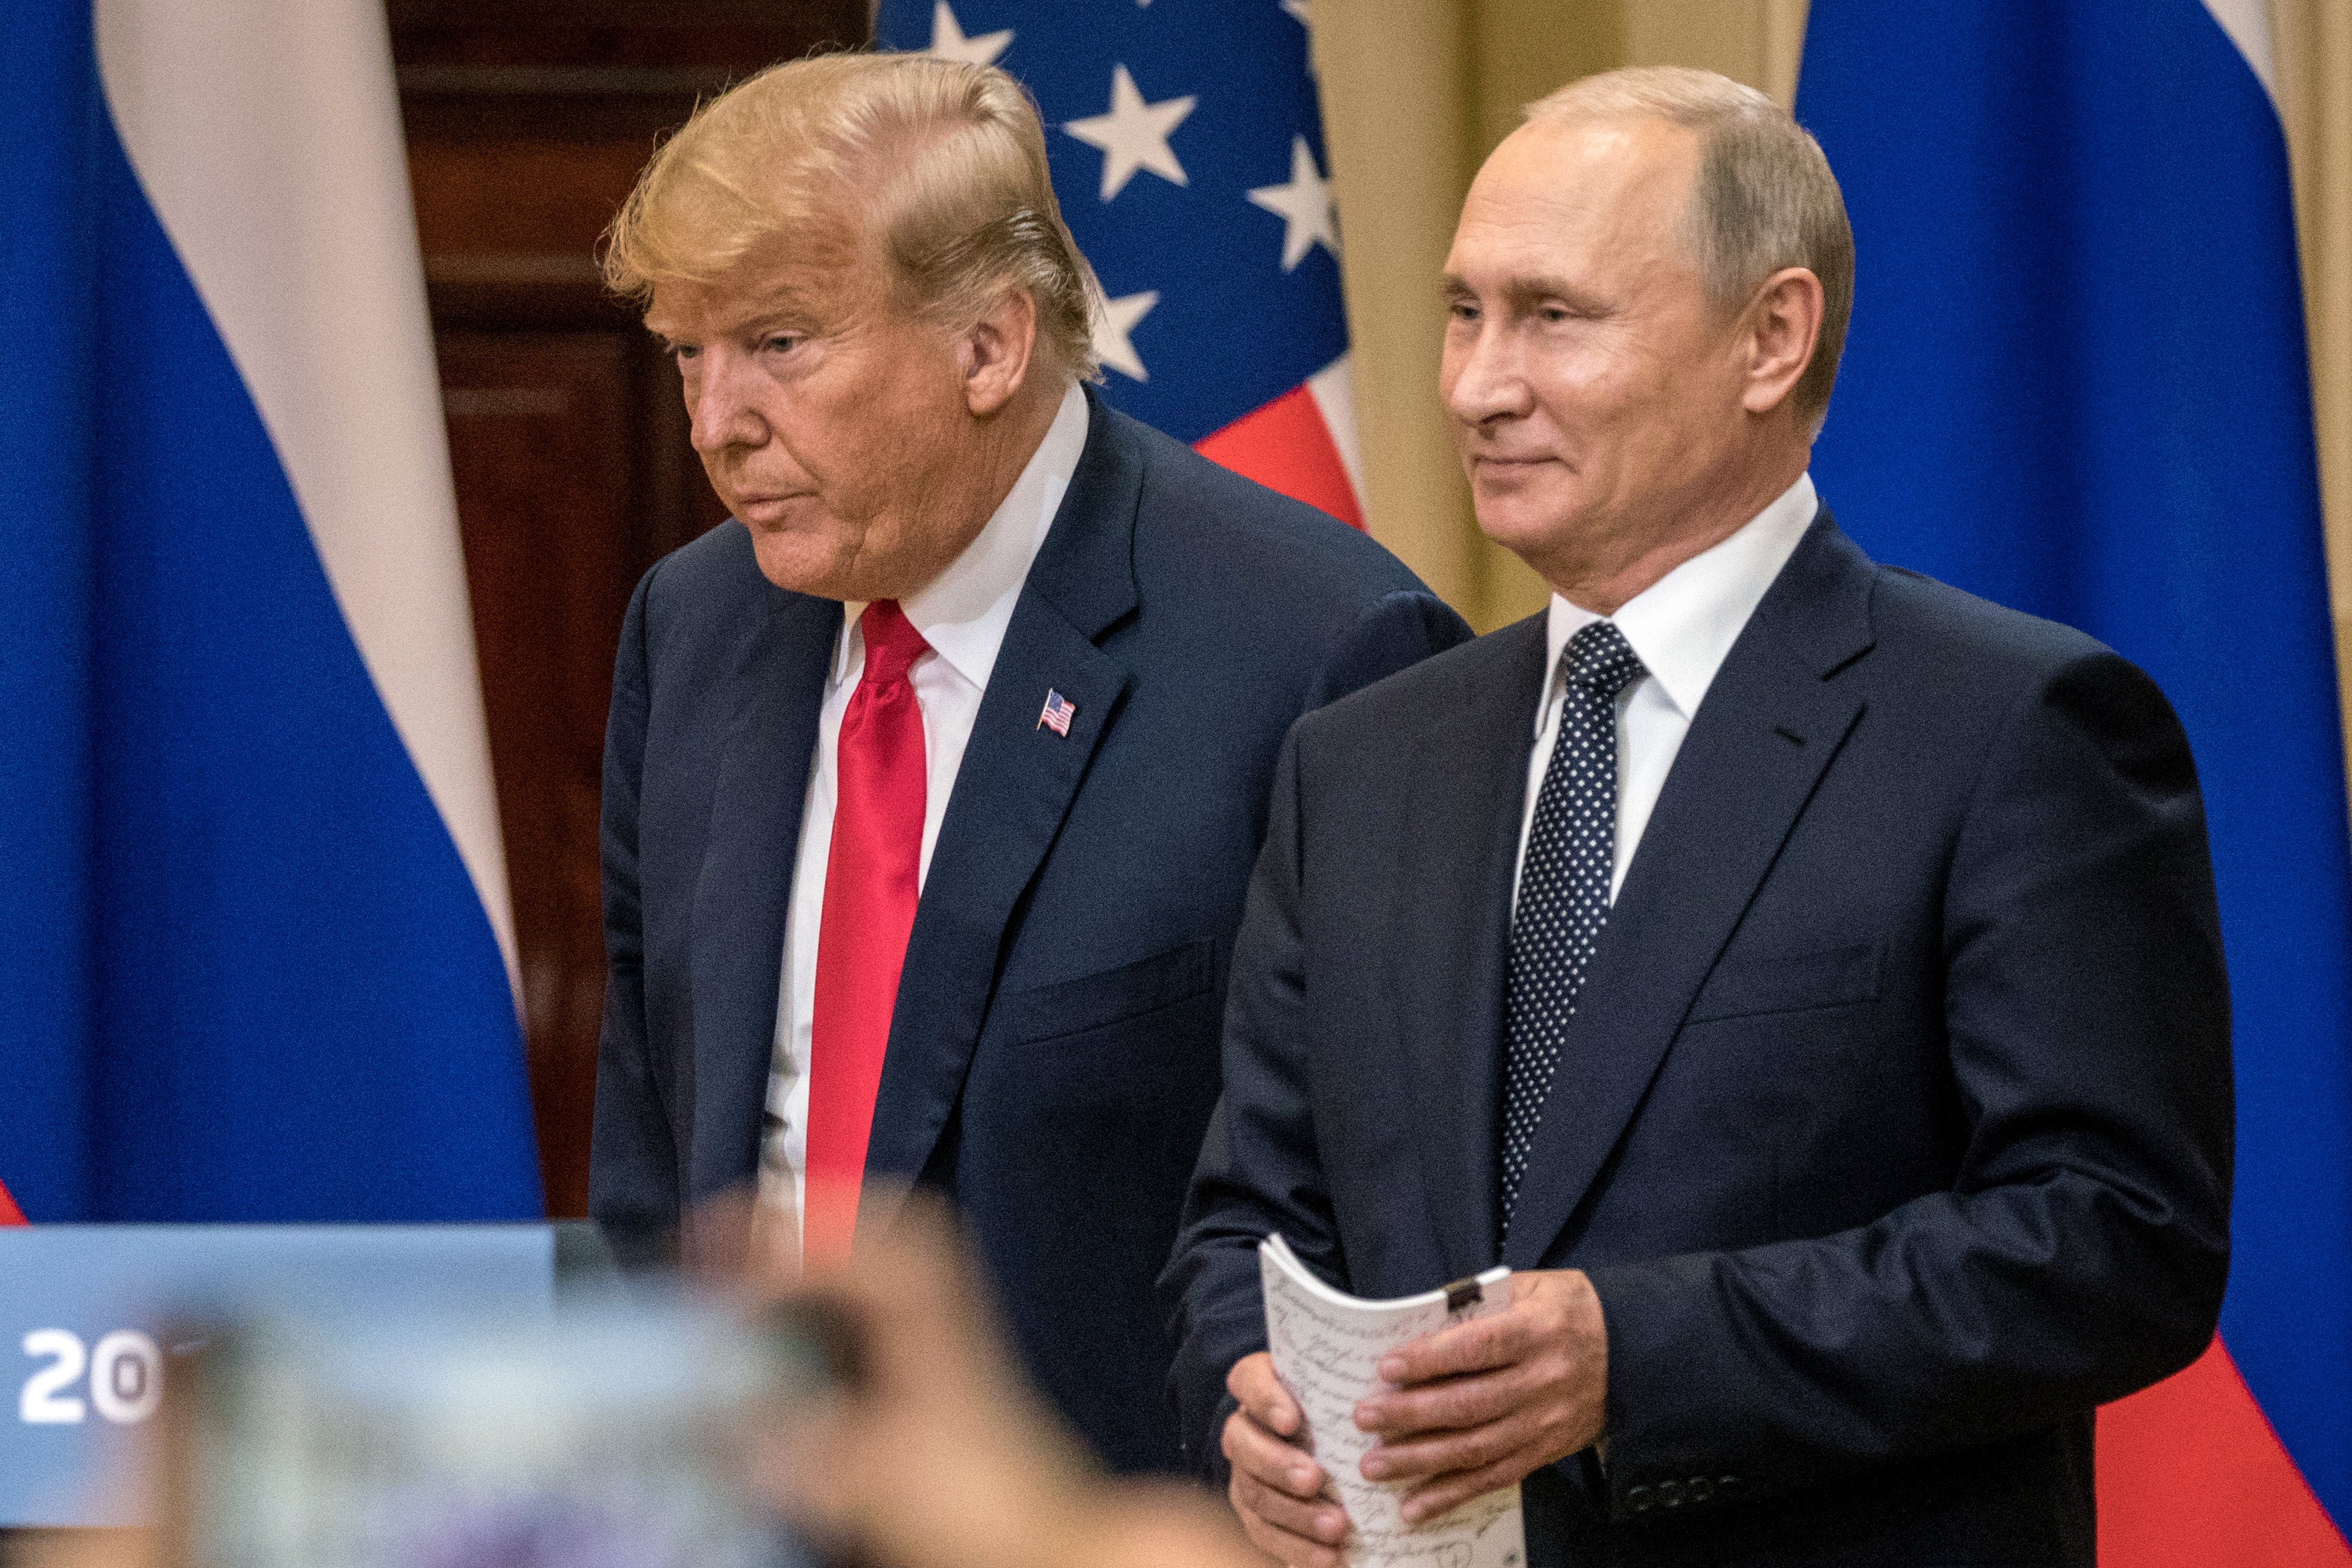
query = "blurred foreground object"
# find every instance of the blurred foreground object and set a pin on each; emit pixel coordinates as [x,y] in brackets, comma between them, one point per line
[611,1434]
[942,1457]
[91,1308]
[2105,186]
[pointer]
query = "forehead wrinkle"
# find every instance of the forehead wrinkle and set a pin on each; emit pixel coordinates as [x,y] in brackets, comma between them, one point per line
[787,290]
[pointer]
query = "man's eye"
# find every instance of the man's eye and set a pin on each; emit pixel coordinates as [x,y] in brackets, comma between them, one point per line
[1463,311]
[680,352]
[781,343]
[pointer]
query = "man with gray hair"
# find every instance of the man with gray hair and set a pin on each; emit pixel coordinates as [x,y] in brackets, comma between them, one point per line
[933,778]
[1805,976]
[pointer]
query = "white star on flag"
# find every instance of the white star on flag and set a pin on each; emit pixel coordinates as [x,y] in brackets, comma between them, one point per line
[1113,322]
[1134,134]
[1304,205]
[949,43]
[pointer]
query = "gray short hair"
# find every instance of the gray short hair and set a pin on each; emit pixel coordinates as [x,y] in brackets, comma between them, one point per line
[944,163]
[1765,198]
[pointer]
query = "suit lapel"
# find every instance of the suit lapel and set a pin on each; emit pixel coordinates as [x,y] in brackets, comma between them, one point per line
[777,687]
[1012,792]
[1454,931]
[1771,724]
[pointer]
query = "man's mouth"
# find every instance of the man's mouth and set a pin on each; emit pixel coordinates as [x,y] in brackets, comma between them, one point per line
[760,508]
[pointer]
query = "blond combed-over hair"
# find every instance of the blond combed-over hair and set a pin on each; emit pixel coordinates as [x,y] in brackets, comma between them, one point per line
[942,163]
[1765,198]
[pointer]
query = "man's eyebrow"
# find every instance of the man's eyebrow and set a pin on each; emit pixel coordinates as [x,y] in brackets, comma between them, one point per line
[1523,291]
[1525,288]
[782,303]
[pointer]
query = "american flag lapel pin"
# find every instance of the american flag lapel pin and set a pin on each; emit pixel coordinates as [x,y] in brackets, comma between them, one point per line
[1059,711]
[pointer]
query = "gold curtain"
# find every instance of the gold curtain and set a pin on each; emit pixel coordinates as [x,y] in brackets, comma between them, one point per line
[1416,92]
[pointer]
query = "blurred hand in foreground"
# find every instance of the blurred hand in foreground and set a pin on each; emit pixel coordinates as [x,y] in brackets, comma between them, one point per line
[942,1456]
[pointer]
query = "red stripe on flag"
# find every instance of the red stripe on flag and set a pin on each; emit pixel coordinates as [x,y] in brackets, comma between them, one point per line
[9,1213]
[1287,447]
[2191,1475]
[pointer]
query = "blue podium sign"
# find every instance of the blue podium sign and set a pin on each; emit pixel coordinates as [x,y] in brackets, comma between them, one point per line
[85,1310]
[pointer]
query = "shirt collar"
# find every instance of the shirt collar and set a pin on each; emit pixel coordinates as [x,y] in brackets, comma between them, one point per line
[963,612]
[1683,626]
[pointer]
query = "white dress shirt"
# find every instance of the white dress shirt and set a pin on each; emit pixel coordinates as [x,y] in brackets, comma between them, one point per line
[962,614]
[1680,627]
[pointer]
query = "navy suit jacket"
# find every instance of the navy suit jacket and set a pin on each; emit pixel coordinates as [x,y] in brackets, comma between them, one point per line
[1053,1055]
[1893,1124]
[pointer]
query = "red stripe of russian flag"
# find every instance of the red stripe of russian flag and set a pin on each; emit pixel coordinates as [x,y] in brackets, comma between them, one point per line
[2192,1476]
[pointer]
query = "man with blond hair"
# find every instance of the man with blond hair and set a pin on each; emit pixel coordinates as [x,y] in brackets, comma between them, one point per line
[1805,976]
[933,778]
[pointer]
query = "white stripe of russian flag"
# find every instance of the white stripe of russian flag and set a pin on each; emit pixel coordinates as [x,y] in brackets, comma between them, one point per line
[266,137]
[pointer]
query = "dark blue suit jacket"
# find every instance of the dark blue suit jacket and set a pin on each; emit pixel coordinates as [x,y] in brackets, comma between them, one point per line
[1893,1125]
[1053,1057]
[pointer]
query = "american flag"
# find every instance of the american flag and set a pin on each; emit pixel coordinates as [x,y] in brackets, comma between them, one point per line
[1188,157]
[1059,711]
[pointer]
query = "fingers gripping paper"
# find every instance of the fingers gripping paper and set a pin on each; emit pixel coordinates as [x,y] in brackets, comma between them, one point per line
[1326,1345]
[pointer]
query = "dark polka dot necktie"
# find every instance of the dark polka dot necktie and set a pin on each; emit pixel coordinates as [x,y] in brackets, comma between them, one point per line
[1563,885]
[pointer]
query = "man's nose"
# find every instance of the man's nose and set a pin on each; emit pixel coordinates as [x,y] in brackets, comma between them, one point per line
[1484,377]
[717,404]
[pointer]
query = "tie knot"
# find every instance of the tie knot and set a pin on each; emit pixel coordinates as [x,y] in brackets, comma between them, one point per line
[892,643]
[1601,660]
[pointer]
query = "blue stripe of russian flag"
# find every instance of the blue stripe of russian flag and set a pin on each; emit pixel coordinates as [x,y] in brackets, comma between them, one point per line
[249,975]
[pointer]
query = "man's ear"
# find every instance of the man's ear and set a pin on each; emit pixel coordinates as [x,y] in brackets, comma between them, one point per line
[1784,325]
[993,353]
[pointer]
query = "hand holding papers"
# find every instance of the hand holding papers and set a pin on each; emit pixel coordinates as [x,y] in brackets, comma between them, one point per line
[1326,1346]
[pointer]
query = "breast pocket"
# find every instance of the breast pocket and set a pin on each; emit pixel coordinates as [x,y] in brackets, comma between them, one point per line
[1789,982]
[1107,997]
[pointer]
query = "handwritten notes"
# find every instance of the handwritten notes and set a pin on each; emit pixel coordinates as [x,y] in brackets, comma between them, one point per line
[1326,1345]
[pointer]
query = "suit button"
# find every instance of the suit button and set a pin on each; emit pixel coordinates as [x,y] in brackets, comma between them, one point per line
[1727,1485]
[1670,1494]
[1701,1489]
[1640,1498]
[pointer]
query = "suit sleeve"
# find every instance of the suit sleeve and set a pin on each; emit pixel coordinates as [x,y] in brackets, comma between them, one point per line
[632,1159]
[2080,1253]
[1395,631]
[1259,1177]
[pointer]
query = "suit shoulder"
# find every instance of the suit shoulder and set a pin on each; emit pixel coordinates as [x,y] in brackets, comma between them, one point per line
[708,583]
[716,564]
[1920,620]
[1436,689]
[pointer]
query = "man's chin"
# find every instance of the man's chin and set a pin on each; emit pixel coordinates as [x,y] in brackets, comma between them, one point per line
[1521,522]
[800,564]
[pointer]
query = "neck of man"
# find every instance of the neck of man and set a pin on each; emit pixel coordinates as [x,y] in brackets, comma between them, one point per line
[1012,436]
[1604,578]
[1000,449]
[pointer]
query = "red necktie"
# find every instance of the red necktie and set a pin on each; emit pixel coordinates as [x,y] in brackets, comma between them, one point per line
[871,882]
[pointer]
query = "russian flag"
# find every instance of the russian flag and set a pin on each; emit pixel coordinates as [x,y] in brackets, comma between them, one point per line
[2077,383]
[255,957]
[1187,151]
